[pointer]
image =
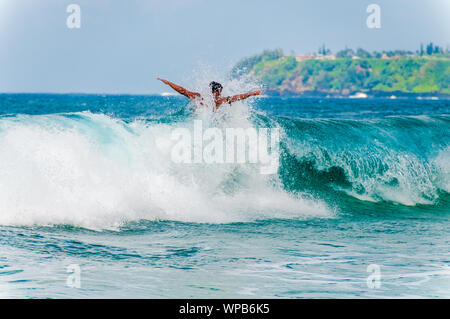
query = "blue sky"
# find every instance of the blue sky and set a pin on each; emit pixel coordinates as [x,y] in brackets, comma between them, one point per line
[123,45]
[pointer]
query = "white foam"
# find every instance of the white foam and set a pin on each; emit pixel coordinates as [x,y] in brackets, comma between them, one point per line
[97,172]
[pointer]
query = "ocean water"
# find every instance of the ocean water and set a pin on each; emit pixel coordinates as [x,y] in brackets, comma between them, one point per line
[92,206]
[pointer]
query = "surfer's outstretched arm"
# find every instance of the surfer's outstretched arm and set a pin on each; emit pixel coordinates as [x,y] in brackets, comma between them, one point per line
[239,97]
[180,89]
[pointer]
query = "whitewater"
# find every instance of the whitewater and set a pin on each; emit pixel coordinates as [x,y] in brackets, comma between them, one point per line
[89,180]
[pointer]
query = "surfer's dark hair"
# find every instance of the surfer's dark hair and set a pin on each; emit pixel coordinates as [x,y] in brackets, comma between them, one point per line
[215,86]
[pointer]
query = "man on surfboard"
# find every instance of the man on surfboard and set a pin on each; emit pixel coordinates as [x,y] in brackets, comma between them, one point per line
[216,89]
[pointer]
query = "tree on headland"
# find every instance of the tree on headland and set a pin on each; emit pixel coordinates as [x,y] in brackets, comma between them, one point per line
[438,50]
[377,54]
[430,48]
[323,50]
[363,53]
[346,53]
[434,49]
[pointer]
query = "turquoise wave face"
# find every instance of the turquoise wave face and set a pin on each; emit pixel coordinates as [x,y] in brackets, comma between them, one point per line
[402,159]
[101,171]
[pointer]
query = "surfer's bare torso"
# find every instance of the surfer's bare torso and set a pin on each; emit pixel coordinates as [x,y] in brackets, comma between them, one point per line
[216,89]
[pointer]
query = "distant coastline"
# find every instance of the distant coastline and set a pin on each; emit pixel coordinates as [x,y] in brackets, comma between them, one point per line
[358,74]
[356,95]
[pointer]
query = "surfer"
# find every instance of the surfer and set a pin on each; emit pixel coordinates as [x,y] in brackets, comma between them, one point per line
[216,89]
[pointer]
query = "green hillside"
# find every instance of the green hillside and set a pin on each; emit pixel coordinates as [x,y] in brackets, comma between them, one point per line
[409,74]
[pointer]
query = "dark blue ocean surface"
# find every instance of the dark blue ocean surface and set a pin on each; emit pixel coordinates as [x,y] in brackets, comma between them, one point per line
[129,106]
[358,205]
